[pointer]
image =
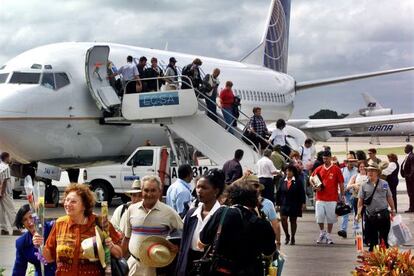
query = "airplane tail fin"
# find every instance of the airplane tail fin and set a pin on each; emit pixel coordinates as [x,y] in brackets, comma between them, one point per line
[371,101]
[272,52]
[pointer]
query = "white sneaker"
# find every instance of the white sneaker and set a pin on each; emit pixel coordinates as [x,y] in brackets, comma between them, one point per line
[329,239]
[322,238]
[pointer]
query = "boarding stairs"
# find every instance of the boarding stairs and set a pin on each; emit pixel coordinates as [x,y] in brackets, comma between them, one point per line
[182,112]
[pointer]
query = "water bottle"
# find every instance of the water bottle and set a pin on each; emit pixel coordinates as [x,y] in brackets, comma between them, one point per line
[358,236]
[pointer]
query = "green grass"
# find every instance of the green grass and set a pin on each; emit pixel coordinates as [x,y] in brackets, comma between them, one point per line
[380,151]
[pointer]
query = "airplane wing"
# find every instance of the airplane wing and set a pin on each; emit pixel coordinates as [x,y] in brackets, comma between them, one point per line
[316,83]
[331,124]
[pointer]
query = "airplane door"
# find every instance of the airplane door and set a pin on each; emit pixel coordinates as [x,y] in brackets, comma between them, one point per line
[97,77]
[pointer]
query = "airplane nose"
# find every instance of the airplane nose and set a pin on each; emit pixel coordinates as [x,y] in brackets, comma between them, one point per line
[12,101]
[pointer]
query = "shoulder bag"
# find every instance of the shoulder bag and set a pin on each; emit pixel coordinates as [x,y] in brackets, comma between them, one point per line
[205,266]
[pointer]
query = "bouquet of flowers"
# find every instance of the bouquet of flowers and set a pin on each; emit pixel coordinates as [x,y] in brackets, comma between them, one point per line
[383,261]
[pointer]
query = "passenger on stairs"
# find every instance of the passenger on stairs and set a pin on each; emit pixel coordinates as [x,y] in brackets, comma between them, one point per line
[171,71]
[232,168]
[226,102]
[154,72]
[278,137]
[210,86]
[257,127]
[142,64]
[130,76]
[192,71]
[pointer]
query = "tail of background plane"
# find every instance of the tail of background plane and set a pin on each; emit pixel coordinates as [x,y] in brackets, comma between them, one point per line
[371,101]
[272,52]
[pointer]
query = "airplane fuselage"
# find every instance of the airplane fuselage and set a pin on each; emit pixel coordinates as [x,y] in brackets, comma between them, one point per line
[61,126]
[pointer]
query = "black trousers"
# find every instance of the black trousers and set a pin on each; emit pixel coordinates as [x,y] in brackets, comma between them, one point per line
[269,188]
[393,189]
[377,229]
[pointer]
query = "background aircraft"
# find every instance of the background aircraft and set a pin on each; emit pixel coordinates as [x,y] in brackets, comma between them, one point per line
[374,108]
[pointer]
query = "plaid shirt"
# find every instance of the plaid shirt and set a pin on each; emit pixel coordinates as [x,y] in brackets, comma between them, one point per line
[258,125]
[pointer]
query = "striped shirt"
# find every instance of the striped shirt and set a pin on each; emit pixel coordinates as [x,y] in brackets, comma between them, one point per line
[159,221]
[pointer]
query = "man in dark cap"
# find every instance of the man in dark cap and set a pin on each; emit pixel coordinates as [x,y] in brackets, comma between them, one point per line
[171,71]
[330,177]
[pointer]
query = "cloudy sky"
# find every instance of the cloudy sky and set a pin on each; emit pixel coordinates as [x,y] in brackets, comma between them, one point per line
[327,38]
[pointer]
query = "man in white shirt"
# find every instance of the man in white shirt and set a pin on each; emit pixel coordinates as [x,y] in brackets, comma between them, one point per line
[129,73]
[7,207]
[265,171]
[278,137]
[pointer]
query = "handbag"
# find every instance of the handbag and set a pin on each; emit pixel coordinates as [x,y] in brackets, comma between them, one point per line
[342,209]
[208,263]
[119,266]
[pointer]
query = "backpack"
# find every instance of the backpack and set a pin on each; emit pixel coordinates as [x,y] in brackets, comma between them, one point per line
[186,70]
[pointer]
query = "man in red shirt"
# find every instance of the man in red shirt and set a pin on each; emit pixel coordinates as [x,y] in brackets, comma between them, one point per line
[227,101]
[327,195]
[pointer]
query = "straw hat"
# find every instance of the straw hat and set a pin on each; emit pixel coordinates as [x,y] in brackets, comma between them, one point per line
[155,252]
[136,188]
[251,179]
[373,166]
[93,248]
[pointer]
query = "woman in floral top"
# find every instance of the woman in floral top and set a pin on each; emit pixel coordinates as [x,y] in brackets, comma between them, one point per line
[64,242]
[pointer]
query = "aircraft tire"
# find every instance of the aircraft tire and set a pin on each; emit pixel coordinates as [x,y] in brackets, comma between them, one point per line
[102,192]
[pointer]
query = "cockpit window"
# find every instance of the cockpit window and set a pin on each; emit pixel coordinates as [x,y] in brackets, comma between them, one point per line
[2,67]
[61,80]
[55,80]
[3,77]
[25,78]
[48,80]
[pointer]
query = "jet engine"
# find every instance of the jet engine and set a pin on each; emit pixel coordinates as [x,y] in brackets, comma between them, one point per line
[367,112]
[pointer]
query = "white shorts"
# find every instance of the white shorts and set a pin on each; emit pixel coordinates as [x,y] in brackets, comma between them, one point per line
[325,210]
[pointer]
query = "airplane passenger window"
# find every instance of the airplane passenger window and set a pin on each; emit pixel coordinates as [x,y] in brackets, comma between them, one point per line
[248,95]
[3,77]
[25,78]
[61,80]
[48,80]
[272,97]
[255,96]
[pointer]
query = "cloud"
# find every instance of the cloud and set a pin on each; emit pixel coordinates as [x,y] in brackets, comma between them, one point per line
[326,39]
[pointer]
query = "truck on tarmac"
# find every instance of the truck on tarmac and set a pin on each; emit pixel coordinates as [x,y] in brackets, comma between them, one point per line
[109,181]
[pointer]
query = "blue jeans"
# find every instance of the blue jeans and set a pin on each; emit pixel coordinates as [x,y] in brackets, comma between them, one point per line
[227,114]
[349,200]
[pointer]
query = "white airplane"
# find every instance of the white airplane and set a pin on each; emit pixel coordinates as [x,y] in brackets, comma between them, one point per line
[53,99]
[374,108]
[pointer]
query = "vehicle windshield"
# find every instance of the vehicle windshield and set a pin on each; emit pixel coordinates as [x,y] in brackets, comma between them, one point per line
[25,78]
